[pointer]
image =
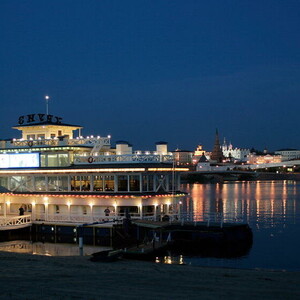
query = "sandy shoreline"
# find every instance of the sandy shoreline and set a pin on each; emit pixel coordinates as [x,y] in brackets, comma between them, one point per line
[24,276]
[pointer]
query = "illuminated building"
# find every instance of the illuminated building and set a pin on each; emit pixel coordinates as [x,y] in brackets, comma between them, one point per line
[288,154]
[56,177]
[203,164]
[263,159]
[183,157]
[198,153]
[234,153]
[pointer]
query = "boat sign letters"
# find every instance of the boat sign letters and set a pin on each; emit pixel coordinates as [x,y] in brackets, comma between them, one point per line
[32,118]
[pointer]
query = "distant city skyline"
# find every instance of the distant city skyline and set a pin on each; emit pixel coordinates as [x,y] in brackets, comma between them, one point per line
[153,71]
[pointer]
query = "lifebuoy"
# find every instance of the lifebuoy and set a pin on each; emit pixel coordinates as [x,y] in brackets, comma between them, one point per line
[91,159]
[30,143]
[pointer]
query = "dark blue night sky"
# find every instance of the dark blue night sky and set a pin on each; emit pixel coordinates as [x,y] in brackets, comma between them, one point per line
[146,71]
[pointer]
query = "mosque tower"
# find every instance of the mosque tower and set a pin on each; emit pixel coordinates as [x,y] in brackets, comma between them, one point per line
[217,154]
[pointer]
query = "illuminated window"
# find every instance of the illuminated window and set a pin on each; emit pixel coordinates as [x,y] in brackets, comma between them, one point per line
[52,160]
[80,183]
[4,182]
[57,183]
[109,183]
[43,160]
[98,183]
[63,159]
[40,183]
[85,183]
[75,183]
[31,136]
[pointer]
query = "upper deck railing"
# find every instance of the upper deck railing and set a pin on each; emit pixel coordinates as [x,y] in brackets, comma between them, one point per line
[55,142]
[91,156]
[125,158]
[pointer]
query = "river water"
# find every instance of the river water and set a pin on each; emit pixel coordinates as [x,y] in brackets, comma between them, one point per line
[271,208]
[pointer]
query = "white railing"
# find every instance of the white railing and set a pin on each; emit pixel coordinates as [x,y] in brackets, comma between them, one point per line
[74,218]
[125,158]
[77,218]
[20,143]
[31,143]
[18,221]
[105,141]
[89,218]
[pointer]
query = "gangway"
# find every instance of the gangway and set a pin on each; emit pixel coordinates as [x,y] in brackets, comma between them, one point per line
[15,222]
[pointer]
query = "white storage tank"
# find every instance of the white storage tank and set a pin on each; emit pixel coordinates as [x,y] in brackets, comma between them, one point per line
[162,148]
[123,147]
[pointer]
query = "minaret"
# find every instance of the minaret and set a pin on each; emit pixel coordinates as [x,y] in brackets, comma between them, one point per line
[217,154]
[224,146]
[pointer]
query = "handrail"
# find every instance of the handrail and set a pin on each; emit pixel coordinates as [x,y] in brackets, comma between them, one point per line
[15,221]
[124,158]
[76,218]
[15,143]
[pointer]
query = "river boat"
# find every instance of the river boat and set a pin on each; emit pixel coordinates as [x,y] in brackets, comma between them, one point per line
[53,174]
[147,251]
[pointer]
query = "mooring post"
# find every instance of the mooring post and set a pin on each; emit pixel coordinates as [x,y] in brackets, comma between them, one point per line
[80,240]
[81,246]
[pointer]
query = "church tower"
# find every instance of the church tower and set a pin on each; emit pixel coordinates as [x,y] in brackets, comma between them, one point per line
[217,154]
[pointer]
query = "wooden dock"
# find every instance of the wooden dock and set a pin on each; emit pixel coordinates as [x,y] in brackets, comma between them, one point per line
[226,239]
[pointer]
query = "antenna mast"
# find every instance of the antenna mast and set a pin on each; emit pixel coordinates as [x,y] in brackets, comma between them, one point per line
[47,104]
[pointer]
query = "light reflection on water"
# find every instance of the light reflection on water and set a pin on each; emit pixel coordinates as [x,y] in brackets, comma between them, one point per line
[170,260]
[47,249]
[271,208]
[258,203]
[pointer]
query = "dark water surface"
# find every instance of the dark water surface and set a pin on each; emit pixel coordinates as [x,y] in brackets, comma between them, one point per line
[271,208]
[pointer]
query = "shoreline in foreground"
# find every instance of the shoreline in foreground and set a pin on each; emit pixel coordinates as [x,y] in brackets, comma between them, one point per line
[25,276]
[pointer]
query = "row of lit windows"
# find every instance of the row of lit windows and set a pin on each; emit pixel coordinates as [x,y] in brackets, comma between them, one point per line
[89,183]
[42,136]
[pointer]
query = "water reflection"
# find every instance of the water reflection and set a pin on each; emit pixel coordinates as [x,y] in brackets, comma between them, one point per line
[259,203]
[171,260]
[271,208]
[47,249]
